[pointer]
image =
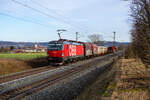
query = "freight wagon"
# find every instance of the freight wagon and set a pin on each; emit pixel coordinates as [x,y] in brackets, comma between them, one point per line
[90,50]
[102,50]
[112,49]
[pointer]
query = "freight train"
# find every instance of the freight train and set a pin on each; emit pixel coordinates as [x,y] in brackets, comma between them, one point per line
[62,51]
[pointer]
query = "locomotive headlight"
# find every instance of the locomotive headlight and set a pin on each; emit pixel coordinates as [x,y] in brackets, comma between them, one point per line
[62,54]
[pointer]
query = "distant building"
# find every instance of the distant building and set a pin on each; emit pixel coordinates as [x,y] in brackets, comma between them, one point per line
[29,50]
[39,48]
[42,49]
[35,48]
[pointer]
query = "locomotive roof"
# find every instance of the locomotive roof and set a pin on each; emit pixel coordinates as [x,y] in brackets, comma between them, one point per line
[55,42]
[70,41]
[63,41]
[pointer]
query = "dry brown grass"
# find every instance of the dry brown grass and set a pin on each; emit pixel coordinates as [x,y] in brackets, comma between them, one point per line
[134,82]
[8,66]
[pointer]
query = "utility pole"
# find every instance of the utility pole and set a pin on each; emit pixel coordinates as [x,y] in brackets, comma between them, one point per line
[114,38]
[77,36]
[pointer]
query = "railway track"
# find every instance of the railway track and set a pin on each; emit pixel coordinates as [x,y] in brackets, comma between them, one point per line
[18,75]
[14,76]
[45,83]
[23,91]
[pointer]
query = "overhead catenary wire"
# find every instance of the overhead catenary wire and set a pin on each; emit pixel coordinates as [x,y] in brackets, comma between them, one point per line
[49,15]
[22,19]
[26,17]
[43,13]
[57,14]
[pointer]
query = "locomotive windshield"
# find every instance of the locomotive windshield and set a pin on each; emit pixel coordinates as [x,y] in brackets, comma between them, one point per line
[55,46]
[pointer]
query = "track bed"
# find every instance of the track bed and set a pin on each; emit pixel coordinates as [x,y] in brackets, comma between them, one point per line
[21,88]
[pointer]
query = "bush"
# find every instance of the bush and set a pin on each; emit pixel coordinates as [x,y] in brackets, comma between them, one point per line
[38,62]
[140,13]
[129,53]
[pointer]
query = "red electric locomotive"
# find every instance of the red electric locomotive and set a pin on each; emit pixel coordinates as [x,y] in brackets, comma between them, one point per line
[64,50]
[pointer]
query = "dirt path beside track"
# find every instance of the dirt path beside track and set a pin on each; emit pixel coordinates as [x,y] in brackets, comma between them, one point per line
[134,82]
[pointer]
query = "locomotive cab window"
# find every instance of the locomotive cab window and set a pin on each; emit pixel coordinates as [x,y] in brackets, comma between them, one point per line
[55,46]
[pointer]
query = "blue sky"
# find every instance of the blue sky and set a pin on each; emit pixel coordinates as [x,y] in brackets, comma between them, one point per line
[83,16]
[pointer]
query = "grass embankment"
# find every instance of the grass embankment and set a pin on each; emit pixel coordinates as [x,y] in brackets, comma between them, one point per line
[134,82]
[131,81]
[22,56]
[11,63]
[8,66]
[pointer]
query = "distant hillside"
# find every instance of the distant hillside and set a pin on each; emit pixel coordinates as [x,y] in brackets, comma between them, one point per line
[21,44]
[110,43]
[29,44]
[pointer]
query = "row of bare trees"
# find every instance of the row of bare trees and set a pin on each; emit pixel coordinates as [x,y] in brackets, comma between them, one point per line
[6,49]
[140,13]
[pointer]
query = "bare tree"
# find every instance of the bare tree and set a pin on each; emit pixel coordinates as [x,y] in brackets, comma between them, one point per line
[94,38]
[140,13]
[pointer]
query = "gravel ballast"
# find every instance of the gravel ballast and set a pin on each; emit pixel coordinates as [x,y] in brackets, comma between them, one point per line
[66,88]
[11,85]
[72,86]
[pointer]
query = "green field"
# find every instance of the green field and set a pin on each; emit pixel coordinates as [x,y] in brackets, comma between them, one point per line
[23,56]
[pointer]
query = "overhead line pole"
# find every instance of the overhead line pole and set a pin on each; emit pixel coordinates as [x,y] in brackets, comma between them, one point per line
[114,38]
[77,33]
